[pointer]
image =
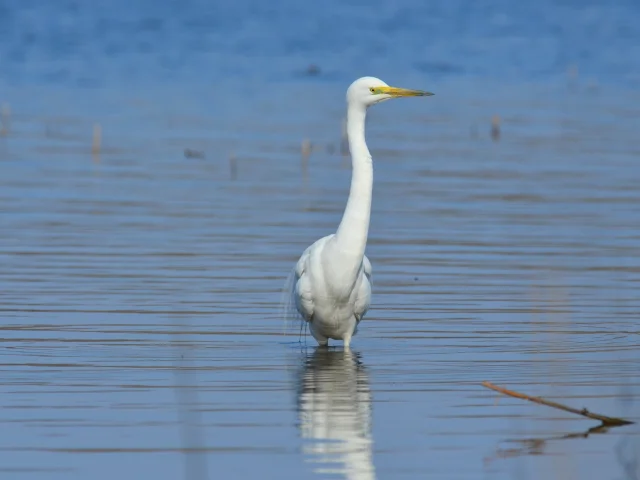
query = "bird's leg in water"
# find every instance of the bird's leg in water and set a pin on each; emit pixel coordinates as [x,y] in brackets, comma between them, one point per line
[303,324]
[322,340]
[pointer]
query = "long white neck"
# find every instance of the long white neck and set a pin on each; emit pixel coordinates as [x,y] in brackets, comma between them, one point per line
[351,237]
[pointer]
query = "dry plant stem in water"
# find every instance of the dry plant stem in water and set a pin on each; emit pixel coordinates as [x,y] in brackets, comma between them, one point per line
[606,421]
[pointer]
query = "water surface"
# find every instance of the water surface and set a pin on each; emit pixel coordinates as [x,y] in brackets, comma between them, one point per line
[141,328]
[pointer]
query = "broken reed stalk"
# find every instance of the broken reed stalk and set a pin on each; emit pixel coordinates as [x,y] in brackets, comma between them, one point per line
[606,421]
[5,119]
[97,139]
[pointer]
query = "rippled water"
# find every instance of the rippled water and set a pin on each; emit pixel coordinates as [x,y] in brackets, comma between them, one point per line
[140,287]
[513,261]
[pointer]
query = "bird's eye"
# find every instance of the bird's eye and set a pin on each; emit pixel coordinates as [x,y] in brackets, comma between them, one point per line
[372,90]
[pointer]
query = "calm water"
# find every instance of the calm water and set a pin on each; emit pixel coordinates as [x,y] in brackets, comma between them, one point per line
[140,289]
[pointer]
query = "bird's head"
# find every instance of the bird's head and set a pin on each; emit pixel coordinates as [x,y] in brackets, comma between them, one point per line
[367,91]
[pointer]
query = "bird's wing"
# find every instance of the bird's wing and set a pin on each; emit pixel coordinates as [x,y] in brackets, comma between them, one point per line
[366,265]
[302,288]
[304,299]
[363,297]
[303,291]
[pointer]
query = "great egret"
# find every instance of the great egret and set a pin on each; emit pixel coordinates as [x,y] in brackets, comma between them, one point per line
[332,279]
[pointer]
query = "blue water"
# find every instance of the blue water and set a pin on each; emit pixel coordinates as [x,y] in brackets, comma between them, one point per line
[140,329]
[146,42]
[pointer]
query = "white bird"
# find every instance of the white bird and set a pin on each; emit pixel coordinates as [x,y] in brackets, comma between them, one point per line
[332,279]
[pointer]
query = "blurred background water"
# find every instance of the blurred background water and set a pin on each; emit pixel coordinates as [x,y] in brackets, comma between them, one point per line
[163,164]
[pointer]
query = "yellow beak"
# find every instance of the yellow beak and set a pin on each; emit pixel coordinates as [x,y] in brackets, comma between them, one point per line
[402,92]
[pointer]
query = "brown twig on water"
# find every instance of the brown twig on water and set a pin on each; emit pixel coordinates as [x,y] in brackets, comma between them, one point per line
[306,152]
[606,421]
[97,139]
[495,128]
[5,119]
[233,166]
[190,153]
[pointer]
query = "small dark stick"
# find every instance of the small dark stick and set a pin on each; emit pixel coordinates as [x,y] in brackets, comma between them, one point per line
[97,139]
[306,148]
[344,144]
[6,120]
[495,128]
[572,75]
[344,139]
[233,167]
[305,154]
[313,70]
[190,153]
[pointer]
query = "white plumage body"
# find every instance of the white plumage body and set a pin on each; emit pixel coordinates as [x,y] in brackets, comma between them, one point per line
[331,312]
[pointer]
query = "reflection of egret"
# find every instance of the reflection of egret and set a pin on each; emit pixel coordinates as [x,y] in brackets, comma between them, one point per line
[334,407]
[331,288]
